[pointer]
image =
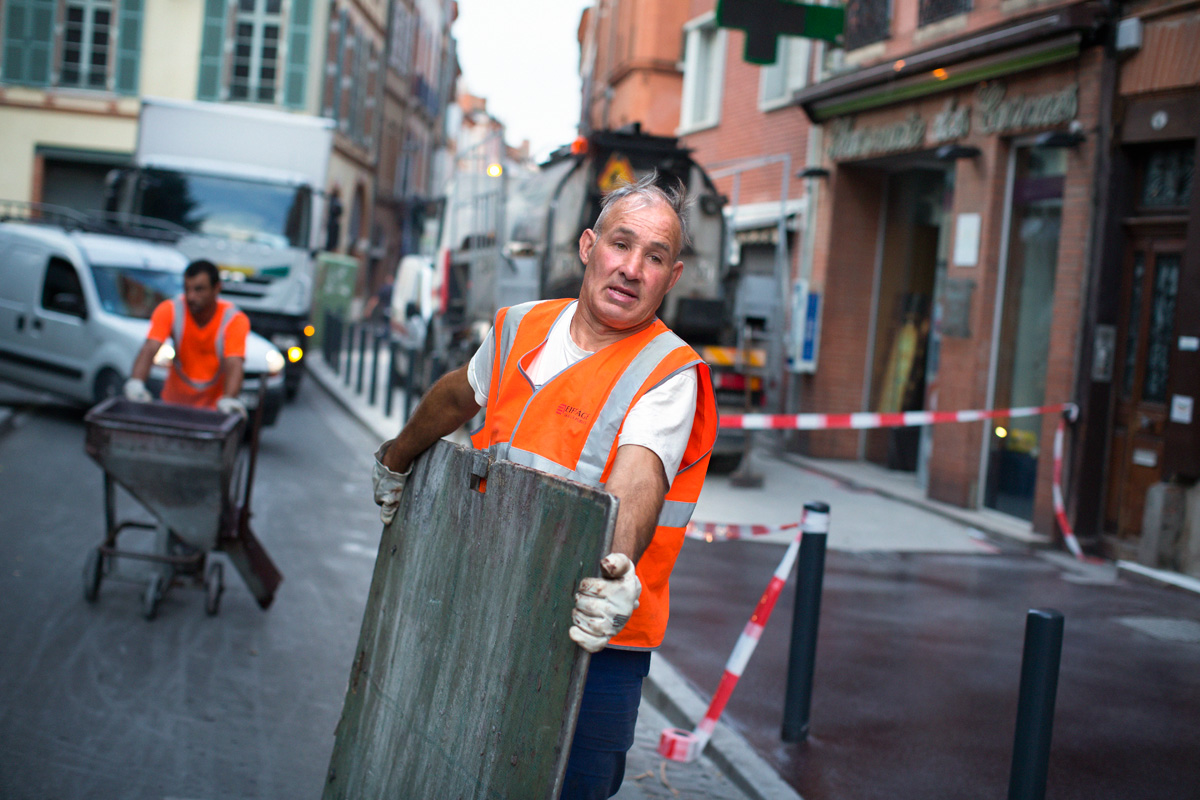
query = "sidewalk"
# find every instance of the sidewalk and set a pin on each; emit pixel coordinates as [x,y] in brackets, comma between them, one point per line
[729,769]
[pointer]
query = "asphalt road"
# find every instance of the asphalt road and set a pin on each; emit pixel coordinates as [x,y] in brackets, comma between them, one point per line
[918,668]
[96,702]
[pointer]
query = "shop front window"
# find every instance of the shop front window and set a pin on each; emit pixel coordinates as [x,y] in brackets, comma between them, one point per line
[1027,310]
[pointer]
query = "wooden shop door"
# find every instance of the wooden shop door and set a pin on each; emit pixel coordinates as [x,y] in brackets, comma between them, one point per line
[1145,341]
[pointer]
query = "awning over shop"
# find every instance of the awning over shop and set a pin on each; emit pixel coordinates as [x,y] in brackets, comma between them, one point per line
[993,53]
[758,223]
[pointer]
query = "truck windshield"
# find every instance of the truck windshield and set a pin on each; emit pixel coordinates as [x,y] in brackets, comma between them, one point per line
[134,292]
[244,210]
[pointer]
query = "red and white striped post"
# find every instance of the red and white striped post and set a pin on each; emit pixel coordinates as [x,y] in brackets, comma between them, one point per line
[681,745]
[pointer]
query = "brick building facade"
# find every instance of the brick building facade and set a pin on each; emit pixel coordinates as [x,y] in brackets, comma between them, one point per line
[952,244]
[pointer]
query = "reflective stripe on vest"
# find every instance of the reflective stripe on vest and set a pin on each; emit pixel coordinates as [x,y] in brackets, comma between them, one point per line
[177,335]
[604,431]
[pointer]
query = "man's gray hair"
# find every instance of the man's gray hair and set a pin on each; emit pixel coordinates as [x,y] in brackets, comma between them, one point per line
[672,193]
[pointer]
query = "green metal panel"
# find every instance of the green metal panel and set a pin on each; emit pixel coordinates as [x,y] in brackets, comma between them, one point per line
[464,682]
[129,45]
[212,50]
[299,25]
[28,41]
[764,21]
[335,278]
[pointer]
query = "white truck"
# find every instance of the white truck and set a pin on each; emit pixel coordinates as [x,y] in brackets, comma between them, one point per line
[516,238]
[244,187]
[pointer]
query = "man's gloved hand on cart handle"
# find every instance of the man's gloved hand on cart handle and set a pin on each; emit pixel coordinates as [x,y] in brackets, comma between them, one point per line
[388,485]
[603,605]
[232,405]
[136,391]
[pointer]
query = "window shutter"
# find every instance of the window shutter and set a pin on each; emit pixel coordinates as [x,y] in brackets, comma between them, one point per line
[28,41]
[212,46]
[129,45]
[299,28]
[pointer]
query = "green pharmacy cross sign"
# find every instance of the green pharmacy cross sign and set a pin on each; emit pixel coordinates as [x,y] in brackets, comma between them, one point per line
[764,21]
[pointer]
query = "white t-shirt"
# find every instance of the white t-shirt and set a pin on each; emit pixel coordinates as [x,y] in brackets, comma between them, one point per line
[660,421]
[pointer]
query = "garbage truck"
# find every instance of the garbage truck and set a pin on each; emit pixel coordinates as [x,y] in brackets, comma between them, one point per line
[510,236]
[243,187]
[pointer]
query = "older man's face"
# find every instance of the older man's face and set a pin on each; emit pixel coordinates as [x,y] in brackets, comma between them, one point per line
[631,264]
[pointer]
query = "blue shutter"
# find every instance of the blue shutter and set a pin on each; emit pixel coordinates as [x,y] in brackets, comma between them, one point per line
[28,41]
[129,45]
[212,50]
[298,32]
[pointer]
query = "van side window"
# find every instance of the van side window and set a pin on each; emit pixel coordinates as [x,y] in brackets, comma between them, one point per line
[62,291]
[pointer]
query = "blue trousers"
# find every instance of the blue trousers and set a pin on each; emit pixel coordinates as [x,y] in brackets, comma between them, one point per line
[604,732]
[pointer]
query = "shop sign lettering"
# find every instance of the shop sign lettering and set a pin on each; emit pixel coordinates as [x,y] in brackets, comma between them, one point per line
[998,115]
[993,113]
[952,122]
[846,142]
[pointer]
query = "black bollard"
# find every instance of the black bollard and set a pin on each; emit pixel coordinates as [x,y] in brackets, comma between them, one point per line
[1035,706]
[362,357]
[391,379]
[810,575]
[410,382]
[348,356]
[374,391]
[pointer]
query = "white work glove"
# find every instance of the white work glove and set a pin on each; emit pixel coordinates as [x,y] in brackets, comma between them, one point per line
[603,605]
[136,391]
[232,405]
[388,485]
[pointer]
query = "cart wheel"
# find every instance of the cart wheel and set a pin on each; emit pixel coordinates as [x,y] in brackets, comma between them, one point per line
[151,597]
[91,575]
[214,585]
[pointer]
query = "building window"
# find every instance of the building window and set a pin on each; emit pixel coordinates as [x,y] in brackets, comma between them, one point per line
[1167,177]
[867,22]
[778,81]
[97,43]
[400,57]
[255,68]
[932,11]
[703,71]
[268,61]
[85,44]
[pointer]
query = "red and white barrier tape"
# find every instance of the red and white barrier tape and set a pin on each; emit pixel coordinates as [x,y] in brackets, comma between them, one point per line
[711,531]
[680,745]
[815,422]
[1060,510]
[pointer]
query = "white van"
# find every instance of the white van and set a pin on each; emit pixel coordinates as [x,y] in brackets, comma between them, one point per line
[75,308]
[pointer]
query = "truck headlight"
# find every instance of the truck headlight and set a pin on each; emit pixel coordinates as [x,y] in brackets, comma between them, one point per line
[275,362]
[165,355]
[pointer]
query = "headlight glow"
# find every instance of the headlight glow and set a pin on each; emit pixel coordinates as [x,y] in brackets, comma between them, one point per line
[275,362]
[295,354]
[165,355]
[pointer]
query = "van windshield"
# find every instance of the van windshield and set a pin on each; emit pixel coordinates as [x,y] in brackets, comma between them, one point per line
[134,292]
[262,212]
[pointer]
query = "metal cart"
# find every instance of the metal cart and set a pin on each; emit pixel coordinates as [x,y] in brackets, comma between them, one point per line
[189,469]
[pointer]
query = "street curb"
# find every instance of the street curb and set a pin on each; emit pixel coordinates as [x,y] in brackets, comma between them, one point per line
[1131,570]
[1034,541]
[666,690]
[328,382]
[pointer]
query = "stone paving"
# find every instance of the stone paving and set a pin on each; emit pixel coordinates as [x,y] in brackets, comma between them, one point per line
[649,775]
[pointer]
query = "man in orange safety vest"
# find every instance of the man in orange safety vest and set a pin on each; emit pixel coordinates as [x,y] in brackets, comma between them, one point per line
[599,391]
[209,337]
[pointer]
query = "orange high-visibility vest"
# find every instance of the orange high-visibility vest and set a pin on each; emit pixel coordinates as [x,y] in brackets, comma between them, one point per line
[570,428]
